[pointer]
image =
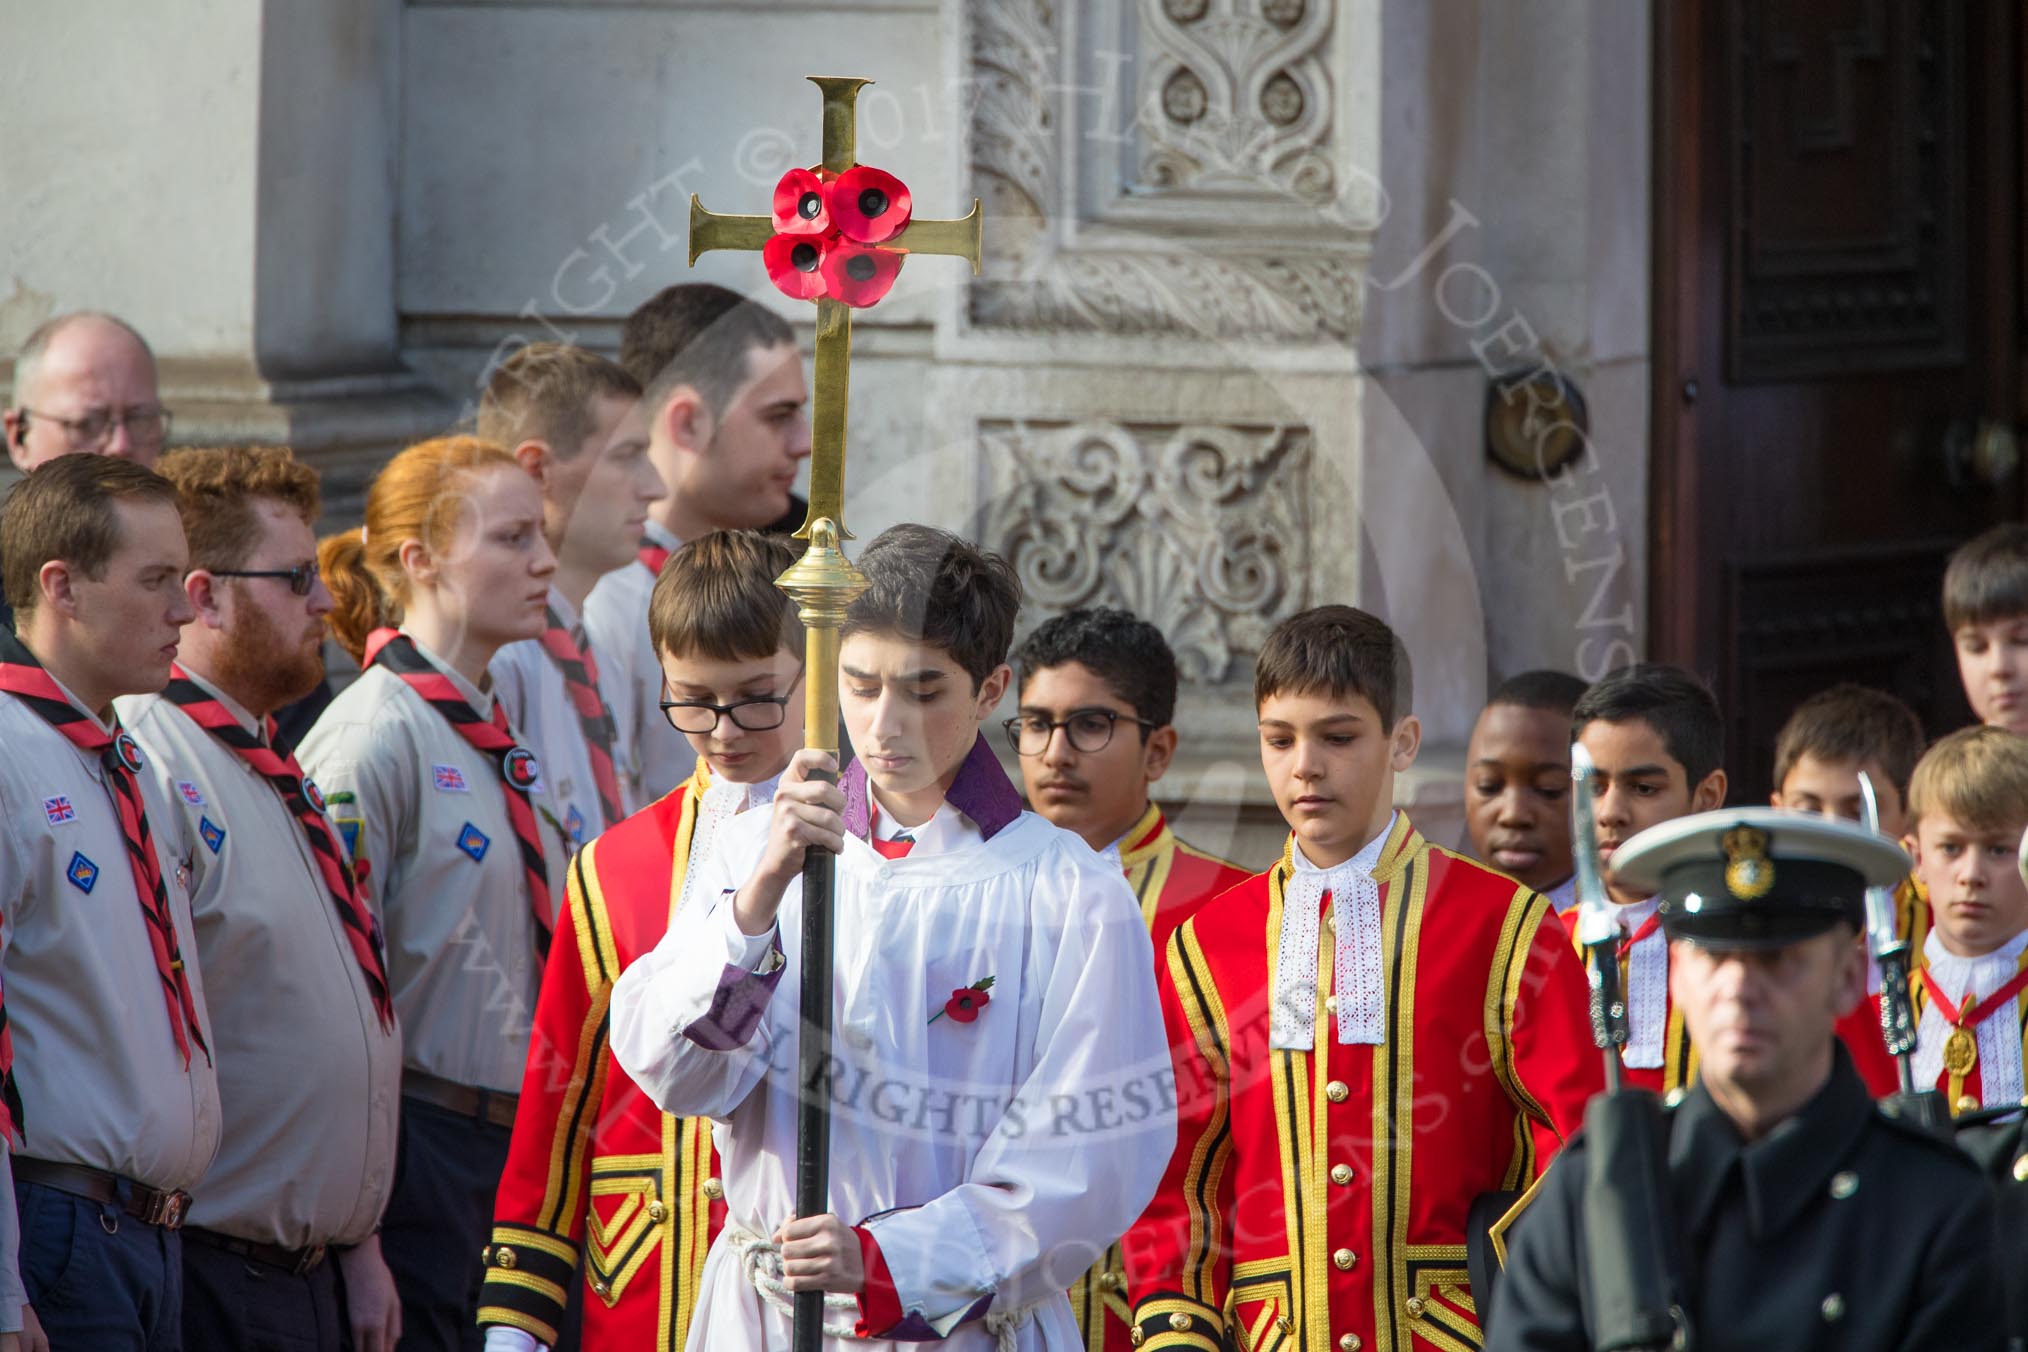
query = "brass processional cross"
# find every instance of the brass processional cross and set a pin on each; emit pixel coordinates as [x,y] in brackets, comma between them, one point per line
[837,236]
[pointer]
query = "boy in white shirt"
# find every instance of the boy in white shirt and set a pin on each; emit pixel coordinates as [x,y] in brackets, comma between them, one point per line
[1002,1099]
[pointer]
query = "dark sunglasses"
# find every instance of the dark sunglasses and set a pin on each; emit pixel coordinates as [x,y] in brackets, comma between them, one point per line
[301,578]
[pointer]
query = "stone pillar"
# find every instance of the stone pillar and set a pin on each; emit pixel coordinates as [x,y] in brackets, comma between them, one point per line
[222,176]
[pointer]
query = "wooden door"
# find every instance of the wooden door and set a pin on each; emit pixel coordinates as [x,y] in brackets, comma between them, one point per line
[1837,342]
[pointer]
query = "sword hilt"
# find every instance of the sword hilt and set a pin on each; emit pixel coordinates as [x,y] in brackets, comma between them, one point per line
[1897,1007]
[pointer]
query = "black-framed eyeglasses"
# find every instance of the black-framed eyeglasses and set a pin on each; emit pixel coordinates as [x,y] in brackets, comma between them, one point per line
[1089,730]
[301,578]
[147,426]
[761,713]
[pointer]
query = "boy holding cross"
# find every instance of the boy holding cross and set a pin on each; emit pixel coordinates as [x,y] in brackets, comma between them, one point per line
[1000,1088]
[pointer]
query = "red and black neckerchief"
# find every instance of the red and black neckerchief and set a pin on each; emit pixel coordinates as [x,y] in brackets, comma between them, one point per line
[22,676]
[515,763]
[581,681]
[275,762]
[652,557]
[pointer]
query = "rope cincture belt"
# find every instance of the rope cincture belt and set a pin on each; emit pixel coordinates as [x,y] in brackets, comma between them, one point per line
[761,1260]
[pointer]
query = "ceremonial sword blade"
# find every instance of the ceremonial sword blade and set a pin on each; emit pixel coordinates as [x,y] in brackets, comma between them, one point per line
[1881,931]
[1597,930]
[1595,917]
[1869,806]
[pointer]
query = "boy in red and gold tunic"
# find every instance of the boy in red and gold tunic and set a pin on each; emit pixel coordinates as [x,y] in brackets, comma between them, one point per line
[1094,731]
[597,1176]
[1359,1054]
[1967,812]
[1657,747]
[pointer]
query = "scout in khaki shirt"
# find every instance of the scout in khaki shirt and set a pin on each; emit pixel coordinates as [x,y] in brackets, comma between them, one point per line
[616,624]
[309,1056]
[117,1115]
[573,420]
[443,806]
[727,432]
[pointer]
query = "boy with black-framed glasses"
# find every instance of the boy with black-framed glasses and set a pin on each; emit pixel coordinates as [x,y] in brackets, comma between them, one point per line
[576,1203]
[698,717]
[1093,733]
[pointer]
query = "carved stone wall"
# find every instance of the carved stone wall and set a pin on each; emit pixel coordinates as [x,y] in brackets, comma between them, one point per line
[1177,238]
[1202,530]
[1181,183]
[1234,93]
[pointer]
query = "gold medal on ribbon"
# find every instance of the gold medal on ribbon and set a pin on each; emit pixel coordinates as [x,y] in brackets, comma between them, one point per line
[1960,1052]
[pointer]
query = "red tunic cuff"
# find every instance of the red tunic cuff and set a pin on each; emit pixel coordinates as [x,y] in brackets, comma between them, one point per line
[879,1303]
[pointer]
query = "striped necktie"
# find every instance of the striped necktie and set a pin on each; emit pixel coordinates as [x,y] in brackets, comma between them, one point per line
[22,676]
[568,649]
[516,765]
[274,762]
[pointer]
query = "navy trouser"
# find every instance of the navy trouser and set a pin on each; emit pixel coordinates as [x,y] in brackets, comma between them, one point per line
[235,1304]
[98,1279]
[437,1222]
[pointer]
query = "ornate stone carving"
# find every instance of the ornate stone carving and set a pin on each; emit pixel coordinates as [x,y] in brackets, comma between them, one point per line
[1233,123]
[1183,97]
[1210,296]
[1282,13]
[1266,92]
[1281,100]
[1202,530]
[1015,159]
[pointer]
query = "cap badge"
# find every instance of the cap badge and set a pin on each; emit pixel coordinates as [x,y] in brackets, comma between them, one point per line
[1749,875]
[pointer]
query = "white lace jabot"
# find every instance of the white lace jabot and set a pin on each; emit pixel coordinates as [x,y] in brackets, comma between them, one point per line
[1356,969]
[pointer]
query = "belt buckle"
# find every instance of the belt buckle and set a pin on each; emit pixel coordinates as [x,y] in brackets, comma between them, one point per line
[307,1260]
[166,1209]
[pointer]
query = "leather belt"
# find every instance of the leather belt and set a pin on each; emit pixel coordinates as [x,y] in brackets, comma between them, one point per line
[149,1205]
[296,1262]
[482,1105]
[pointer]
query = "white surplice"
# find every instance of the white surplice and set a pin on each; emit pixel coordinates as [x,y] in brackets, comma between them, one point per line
[992,1158]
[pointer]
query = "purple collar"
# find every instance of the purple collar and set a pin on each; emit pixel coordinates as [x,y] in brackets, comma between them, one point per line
[981,791]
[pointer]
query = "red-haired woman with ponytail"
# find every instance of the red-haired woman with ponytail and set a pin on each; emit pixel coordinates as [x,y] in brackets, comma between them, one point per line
[450,825]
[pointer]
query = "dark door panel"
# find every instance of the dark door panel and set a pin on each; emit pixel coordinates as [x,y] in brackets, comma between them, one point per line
[1837,341]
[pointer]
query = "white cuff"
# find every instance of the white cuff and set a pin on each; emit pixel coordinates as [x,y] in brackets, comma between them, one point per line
[750,951]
